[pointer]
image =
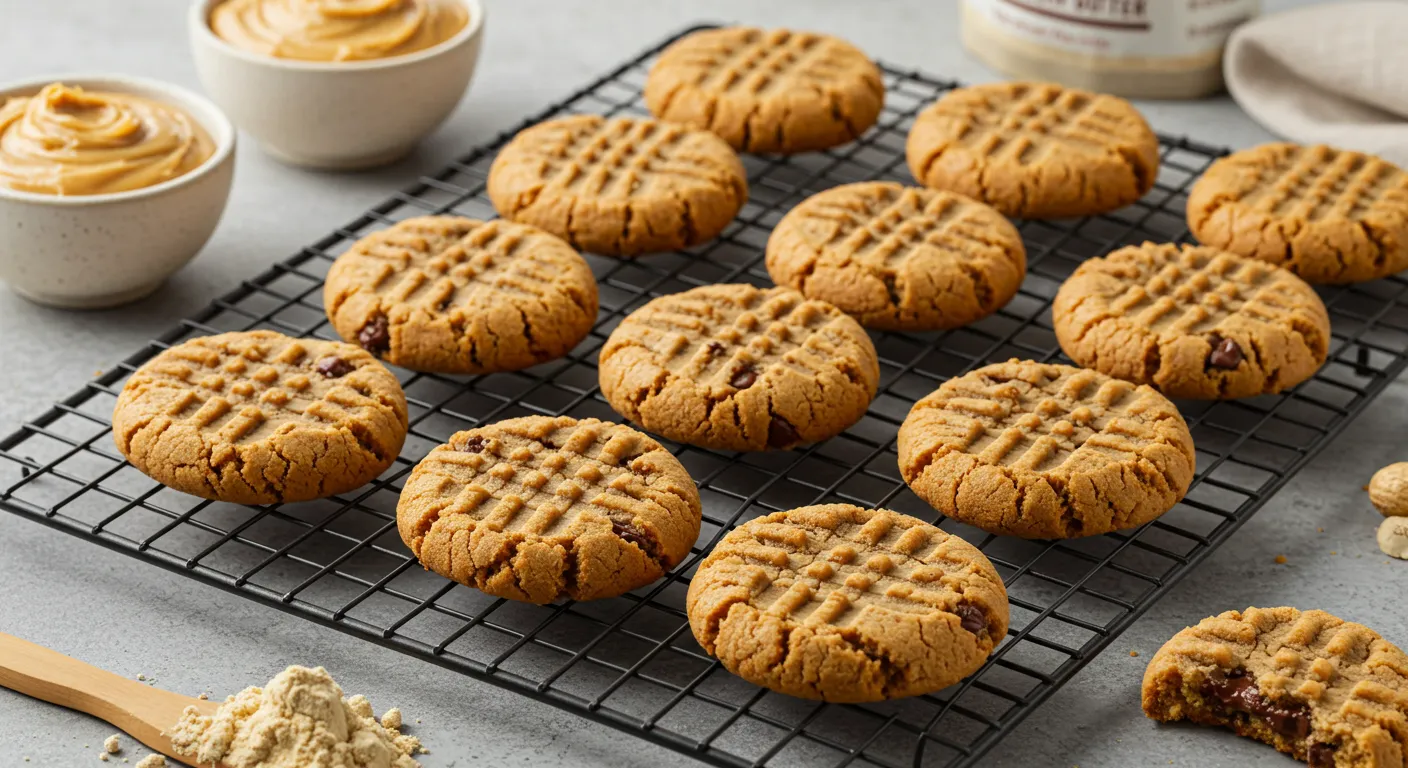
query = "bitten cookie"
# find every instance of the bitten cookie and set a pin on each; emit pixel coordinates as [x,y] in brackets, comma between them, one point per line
[1046,451]
[1193,322]
[1035,150]
[261,418]
[899,258]
[1328,215]
[619,186]
[540,508]
[1326,691]
[453,295]
[767,91]
[841,603]
[735,367]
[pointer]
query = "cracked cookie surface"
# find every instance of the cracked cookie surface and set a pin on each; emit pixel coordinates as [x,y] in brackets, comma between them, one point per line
[619,186]
[1048,451]
[1328,215]
[1035,150]
[841,603]
[736,367]
[541,507]
[767,90]
[1328,692]
[260,418]
[456,295]
[897,257]
[1193,322]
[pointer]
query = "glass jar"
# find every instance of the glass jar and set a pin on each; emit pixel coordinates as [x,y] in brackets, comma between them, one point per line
[1159,49]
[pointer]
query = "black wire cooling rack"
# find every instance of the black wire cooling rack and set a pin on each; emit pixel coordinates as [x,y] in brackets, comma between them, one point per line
[631,662]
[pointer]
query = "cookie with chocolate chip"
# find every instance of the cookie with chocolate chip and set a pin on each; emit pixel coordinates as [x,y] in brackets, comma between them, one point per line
[1330,693]
[541,508]
[1192,321]
[841,603]
[736,367]
[260,418]
[455,295]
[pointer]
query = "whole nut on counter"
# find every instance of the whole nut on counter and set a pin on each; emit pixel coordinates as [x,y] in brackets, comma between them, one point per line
[1393,537]
[1388,490]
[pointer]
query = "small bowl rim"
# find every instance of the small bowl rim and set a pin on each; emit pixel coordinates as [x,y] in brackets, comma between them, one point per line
[223,133]
[198,20]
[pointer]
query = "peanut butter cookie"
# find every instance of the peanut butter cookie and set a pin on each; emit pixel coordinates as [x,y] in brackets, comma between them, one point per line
[442,293]
[1035,150]
[1325,691]
[1193,322]
[1046,451]
[899,258]
[767,90]
[841,603]
[619,186]
[1328,215]
[735,367]
[261,418]
[539,508]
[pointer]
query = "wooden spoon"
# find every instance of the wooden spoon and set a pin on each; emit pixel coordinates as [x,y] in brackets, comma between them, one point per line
[140,710]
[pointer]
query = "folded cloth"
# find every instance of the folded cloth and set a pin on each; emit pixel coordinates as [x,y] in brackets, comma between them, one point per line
[1332,74]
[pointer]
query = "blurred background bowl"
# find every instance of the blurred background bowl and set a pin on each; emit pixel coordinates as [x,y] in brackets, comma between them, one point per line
[336,115]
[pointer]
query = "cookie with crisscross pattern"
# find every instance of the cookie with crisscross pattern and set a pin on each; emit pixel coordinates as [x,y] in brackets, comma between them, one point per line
[1330,216]
[897,257]
[1194,322]
[841,603]
[539,508]
[619,186]
[1326,691]
[259,418]
[767,90]
[736,367]
[1035,150]
[1042,450]
[456,295]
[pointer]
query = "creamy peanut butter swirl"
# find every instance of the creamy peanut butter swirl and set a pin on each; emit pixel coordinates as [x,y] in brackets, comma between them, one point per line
[68,141]
[337,30]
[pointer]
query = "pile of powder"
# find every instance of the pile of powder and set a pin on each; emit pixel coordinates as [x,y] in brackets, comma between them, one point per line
[300,719]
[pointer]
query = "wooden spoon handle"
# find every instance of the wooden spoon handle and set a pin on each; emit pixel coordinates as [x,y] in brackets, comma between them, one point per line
[140,710]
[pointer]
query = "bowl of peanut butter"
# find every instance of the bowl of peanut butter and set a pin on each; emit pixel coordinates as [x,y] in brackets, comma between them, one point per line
[108,185]
[336,84]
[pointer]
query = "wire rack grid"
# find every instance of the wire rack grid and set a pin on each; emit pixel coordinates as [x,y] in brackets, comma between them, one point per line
[631,662]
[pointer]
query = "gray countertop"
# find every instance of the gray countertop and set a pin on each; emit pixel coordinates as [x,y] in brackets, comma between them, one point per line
[131,618]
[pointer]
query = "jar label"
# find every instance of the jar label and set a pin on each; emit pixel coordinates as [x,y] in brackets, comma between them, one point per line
[1120,28]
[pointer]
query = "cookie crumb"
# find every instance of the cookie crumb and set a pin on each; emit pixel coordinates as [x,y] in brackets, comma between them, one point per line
[112,745]
[103,756]
[1280,559]
[1321,530]
[141,676]
[151,761]
[1132,654]
[391,719]
[1333,552]
[204,696]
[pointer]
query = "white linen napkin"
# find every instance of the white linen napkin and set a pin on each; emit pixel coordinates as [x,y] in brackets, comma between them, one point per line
[1335,73]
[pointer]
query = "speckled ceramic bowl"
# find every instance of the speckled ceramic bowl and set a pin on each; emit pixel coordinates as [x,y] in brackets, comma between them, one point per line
[339,115]
[94,251]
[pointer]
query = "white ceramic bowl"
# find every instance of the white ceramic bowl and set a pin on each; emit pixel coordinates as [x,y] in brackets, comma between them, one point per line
[94,251]
[339,115]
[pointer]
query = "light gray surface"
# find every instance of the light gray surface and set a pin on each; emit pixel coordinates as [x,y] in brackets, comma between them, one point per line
[132,618]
